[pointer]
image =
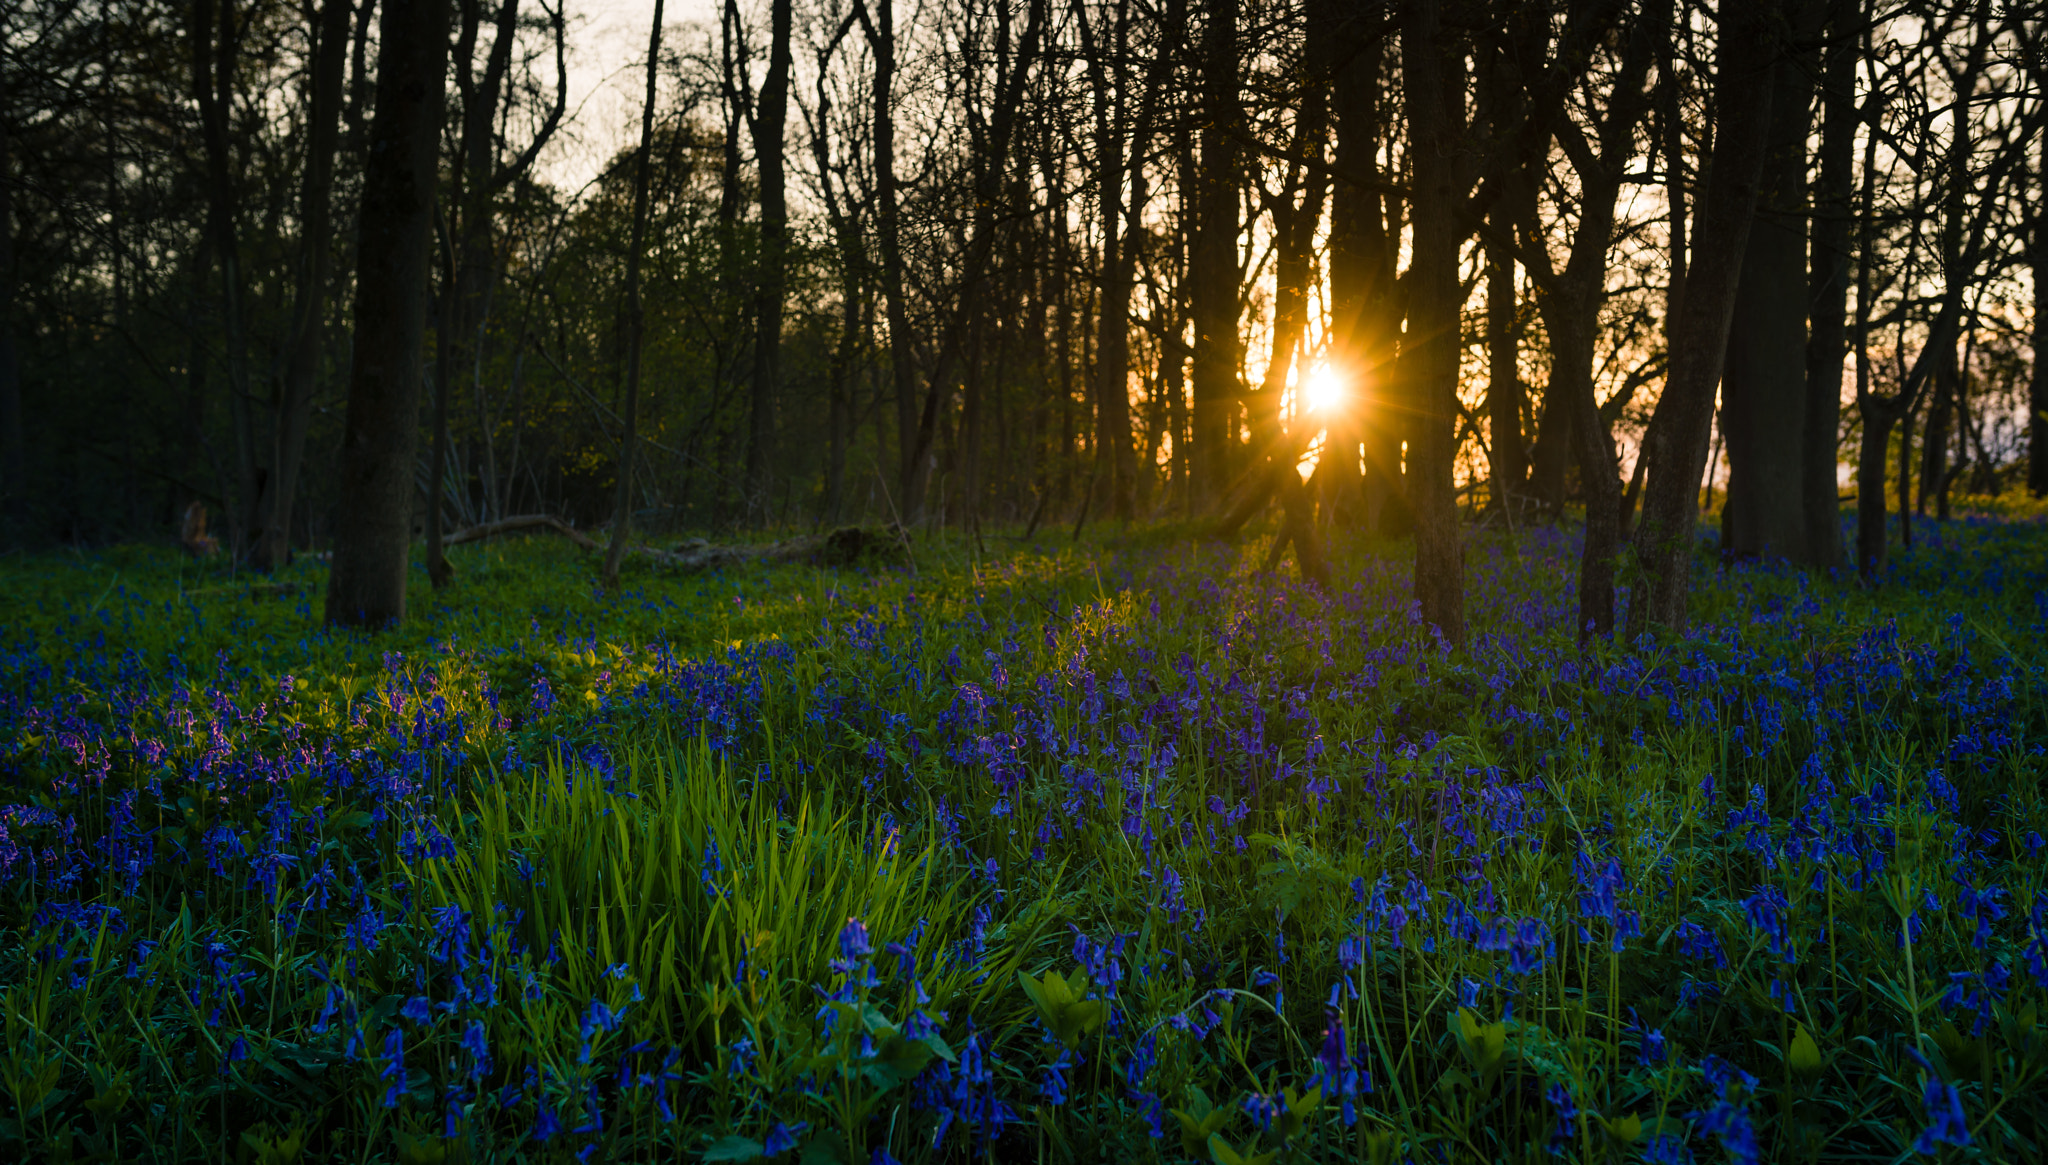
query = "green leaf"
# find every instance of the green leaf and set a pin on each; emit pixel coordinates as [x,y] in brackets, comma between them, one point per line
[1221,1152]
[1803,1056]
[1627,1129]
[826,1147]
[735,1148]
[899,1063]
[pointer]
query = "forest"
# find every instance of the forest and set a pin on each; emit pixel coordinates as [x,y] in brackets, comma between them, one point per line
[1025,263]
[884,581]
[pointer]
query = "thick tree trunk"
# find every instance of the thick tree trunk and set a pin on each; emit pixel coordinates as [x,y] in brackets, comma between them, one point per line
[1571,304]
[271,542]
[769,127]
[373,526]
[1763,390]
[1676,442]
[1503,375]
[622,499]
[1571,340]
[1435,100]
[216,41]
[1213,273]
[1551,455]
[880,30]
[1827,286]
[1941,410]
[13,446]
[1361,280]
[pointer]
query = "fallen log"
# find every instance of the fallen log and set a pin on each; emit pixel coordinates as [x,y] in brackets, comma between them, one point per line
[842,547]
[517,523]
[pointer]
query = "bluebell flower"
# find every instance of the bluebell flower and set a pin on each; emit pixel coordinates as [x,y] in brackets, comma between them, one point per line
[853,946]
[394,1066]
[1946,1124]
[1560,1098]
[1654,1049]
[477,1044]
[1262,1109]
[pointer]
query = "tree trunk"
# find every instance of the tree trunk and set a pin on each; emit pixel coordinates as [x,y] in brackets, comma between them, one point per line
[1763,392]
[1361,278]
[215,57]
[1676,442]
[1571,304]
[13,447]
[981,240]
[881,34]
[622,503]
[470,260]
[1828,289]
[769,123]
[1941,409]
[1120,148]
[2037,421]
[373,526]
[271,541]
[1432,66]
[1213,266]
[1503,374]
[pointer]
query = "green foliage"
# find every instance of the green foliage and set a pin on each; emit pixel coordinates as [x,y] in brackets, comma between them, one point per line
[1137,820]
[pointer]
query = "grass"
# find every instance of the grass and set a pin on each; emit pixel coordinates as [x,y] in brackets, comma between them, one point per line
[1122,850]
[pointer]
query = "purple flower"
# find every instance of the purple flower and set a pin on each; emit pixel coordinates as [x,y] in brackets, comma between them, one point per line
[394,1066]
[1945,1122]
[782,1137]
[478,1045]
[853,946]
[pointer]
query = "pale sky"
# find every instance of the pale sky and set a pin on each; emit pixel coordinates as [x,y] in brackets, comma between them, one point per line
[607,49]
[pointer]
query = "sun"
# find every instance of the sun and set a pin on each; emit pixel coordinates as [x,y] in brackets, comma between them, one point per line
[1325,389]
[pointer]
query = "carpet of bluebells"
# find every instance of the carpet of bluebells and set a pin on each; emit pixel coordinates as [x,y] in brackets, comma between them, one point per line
[1120,852]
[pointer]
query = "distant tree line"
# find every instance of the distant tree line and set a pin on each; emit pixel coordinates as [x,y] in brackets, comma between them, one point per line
[1026,262]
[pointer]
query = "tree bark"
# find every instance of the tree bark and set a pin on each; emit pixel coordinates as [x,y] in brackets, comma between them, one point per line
[1571,301]
[1432,66]
[622,499]
[1827,340]
[1676,442]
[472,266]
[974,262]
[13,446]
[1121,143]
[1763,391]
[1503,375]
[1361,260]
[1213,265]
[769,127]
[271,542]
[2037,421]
[373,526]
[216,49]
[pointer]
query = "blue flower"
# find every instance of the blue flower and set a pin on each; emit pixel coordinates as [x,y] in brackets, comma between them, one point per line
[394,1066]
[1945,1121]
[478,1045]
[853,946]
[782,1137]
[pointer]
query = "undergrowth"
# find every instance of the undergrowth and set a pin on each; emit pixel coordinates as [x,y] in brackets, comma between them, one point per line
[1118,851]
